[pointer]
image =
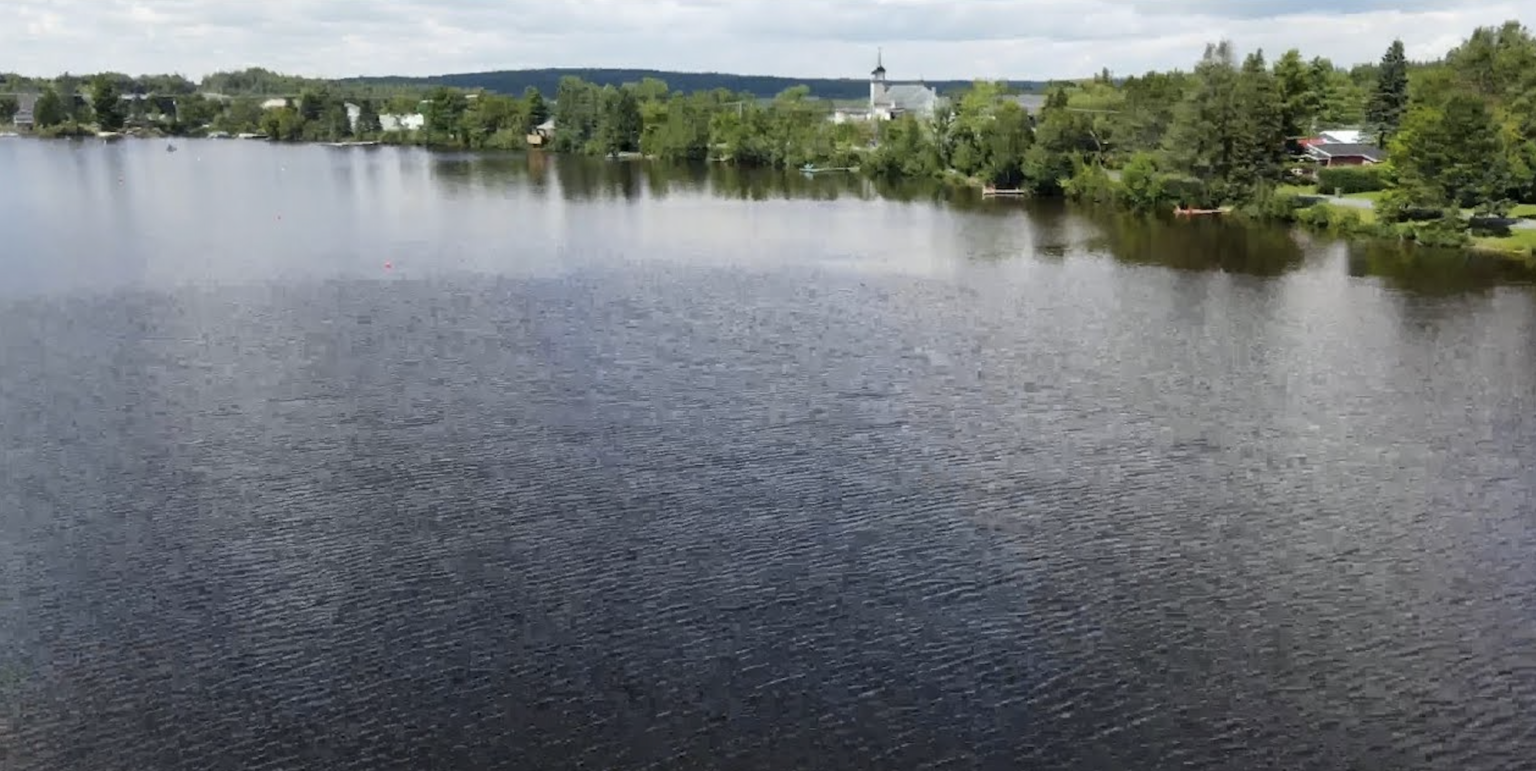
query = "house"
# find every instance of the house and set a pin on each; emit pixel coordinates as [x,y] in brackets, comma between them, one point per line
[1343,154]
[541,133]
[26,108]
[411,122]
[274,104]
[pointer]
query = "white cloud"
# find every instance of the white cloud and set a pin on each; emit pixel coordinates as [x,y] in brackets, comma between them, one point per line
[1025,39]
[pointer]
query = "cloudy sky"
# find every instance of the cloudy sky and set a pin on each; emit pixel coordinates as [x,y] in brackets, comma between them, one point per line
[936,39]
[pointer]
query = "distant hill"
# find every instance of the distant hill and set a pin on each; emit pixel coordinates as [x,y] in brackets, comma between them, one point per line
[546,80]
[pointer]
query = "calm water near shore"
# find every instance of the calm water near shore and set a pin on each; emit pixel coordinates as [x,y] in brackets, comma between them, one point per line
[383,459]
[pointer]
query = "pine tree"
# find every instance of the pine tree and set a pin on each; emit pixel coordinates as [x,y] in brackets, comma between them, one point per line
[1259,146]
[1200,141]
[1389,102]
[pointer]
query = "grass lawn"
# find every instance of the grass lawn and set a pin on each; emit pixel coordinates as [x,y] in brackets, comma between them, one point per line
[1297,190]
[1372,196]
[1524,211]
[1367,216]
[1521,242]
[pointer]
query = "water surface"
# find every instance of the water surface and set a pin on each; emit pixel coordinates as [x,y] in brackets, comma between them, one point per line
[379,459]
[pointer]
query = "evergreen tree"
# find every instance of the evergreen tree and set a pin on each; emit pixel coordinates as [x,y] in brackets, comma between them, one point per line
[1389,101]
[1259,144]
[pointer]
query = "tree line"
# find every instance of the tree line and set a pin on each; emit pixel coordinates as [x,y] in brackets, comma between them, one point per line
[1460,131]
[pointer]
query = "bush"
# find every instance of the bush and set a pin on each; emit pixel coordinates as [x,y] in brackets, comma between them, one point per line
[1343,180]
[1191,192]
[1449,230]
[1141,184]
[1091,183]
[1335,220]
[1267,204]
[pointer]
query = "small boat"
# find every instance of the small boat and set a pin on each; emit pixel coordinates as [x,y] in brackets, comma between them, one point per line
[170,148]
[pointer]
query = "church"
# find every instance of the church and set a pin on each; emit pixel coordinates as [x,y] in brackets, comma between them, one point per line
[888,101]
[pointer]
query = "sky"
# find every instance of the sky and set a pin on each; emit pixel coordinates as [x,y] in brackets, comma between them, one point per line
[932,39]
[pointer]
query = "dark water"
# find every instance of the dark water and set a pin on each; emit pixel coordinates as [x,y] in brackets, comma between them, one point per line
[621,467]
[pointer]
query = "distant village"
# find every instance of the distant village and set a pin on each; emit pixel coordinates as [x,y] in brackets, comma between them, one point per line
[888,101]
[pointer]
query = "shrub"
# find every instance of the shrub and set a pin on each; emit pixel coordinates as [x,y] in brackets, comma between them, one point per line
[1191,192]
[1090,183]
[1343,180]
[1448,230]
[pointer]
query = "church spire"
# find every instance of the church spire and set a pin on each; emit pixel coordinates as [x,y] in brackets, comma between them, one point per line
[879,72]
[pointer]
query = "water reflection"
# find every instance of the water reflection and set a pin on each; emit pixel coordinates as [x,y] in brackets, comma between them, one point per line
[1199,244]
[1435,271]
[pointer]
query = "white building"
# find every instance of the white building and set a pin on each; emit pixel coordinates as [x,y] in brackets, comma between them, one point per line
[888,101]
[412,122]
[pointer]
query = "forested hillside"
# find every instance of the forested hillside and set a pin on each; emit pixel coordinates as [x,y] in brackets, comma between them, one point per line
[547,81]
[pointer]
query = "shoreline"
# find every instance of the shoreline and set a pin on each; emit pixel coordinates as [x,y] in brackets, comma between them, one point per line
[1310,211]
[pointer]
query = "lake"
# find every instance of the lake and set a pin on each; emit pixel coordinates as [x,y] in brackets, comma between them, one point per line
[385,459]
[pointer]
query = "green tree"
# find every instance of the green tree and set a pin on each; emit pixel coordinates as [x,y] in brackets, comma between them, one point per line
[1389,101]
[536,109]
[244,114]
[1259,143]
[8,107]
[444,114]
[1449,155]
[193,111]
[75,108]
[1203,142]
[49,110]
[1007,139]
[107,103]
[1141,184]
[621,125]
[1301,95]
[578,107]
[312,103]
[334,124]
[368,118]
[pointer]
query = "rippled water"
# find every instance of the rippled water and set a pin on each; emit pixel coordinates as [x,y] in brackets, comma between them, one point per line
[617,467]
